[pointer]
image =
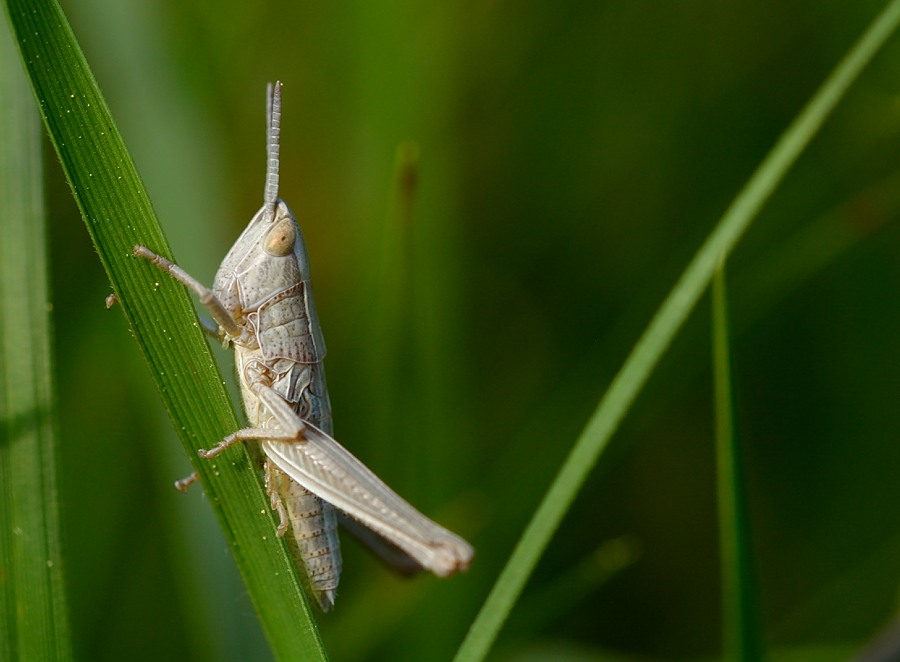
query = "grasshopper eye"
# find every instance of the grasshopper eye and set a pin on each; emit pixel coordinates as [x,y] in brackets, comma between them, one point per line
[281,238]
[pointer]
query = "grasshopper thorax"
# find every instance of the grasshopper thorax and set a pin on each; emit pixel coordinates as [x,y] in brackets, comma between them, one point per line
[268,258]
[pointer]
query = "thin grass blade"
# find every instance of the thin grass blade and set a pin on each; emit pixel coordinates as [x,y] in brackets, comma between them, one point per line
[391,294]
[660,332]
[742,638]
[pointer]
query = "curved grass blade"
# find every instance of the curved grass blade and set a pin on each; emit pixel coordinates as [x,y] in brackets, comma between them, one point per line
[659,334]
[34,621]
[118,215]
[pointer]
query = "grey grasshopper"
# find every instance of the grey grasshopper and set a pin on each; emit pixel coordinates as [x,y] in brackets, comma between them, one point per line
[262,303]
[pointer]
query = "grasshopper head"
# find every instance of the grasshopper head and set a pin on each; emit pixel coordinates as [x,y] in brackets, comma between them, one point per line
[269,257]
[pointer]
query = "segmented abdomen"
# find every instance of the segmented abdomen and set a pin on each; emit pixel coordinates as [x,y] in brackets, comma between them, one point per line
[315,543]
[313,522]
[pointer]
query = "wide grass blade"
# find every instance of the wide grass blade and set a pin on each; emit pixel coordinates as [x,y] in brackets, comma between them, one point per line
[742,640]
[660,332]
[118,215]
[33,617]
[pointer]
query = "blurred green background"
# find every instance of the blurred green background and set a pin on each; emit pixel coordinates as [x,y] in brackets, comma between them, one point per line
[571,158]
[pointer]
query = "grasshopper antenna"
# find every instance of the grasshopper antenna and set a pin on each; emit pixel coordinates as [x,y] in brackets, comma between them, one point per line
[273,136]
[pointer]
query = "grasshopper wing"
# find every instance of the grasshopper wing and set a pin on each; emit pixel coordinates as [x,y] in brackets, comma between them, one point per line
[399,561]
[331,472]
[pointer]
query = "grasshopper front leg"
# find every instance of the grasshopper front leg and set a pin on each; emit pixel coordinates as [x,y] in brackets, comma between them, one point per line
[207,298]
[206,295]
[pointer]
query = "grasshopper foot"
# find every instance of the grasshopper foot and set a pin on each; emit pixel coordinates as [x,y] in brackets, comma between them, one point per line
[183,484]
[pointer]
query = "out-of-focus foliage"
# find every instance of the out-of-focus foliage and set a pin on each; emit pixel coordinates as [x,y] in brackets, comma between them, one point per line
[571,157]
[33,614]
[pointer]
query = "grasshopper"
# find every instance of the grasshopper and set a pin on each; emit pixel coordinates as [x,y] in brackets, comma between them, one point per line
[262,304]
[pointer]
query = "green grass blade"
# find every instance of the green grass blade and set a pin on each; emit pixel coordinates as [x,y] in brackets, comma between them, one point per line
[33,617]
[741,629]
[118,215]
[660,332]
